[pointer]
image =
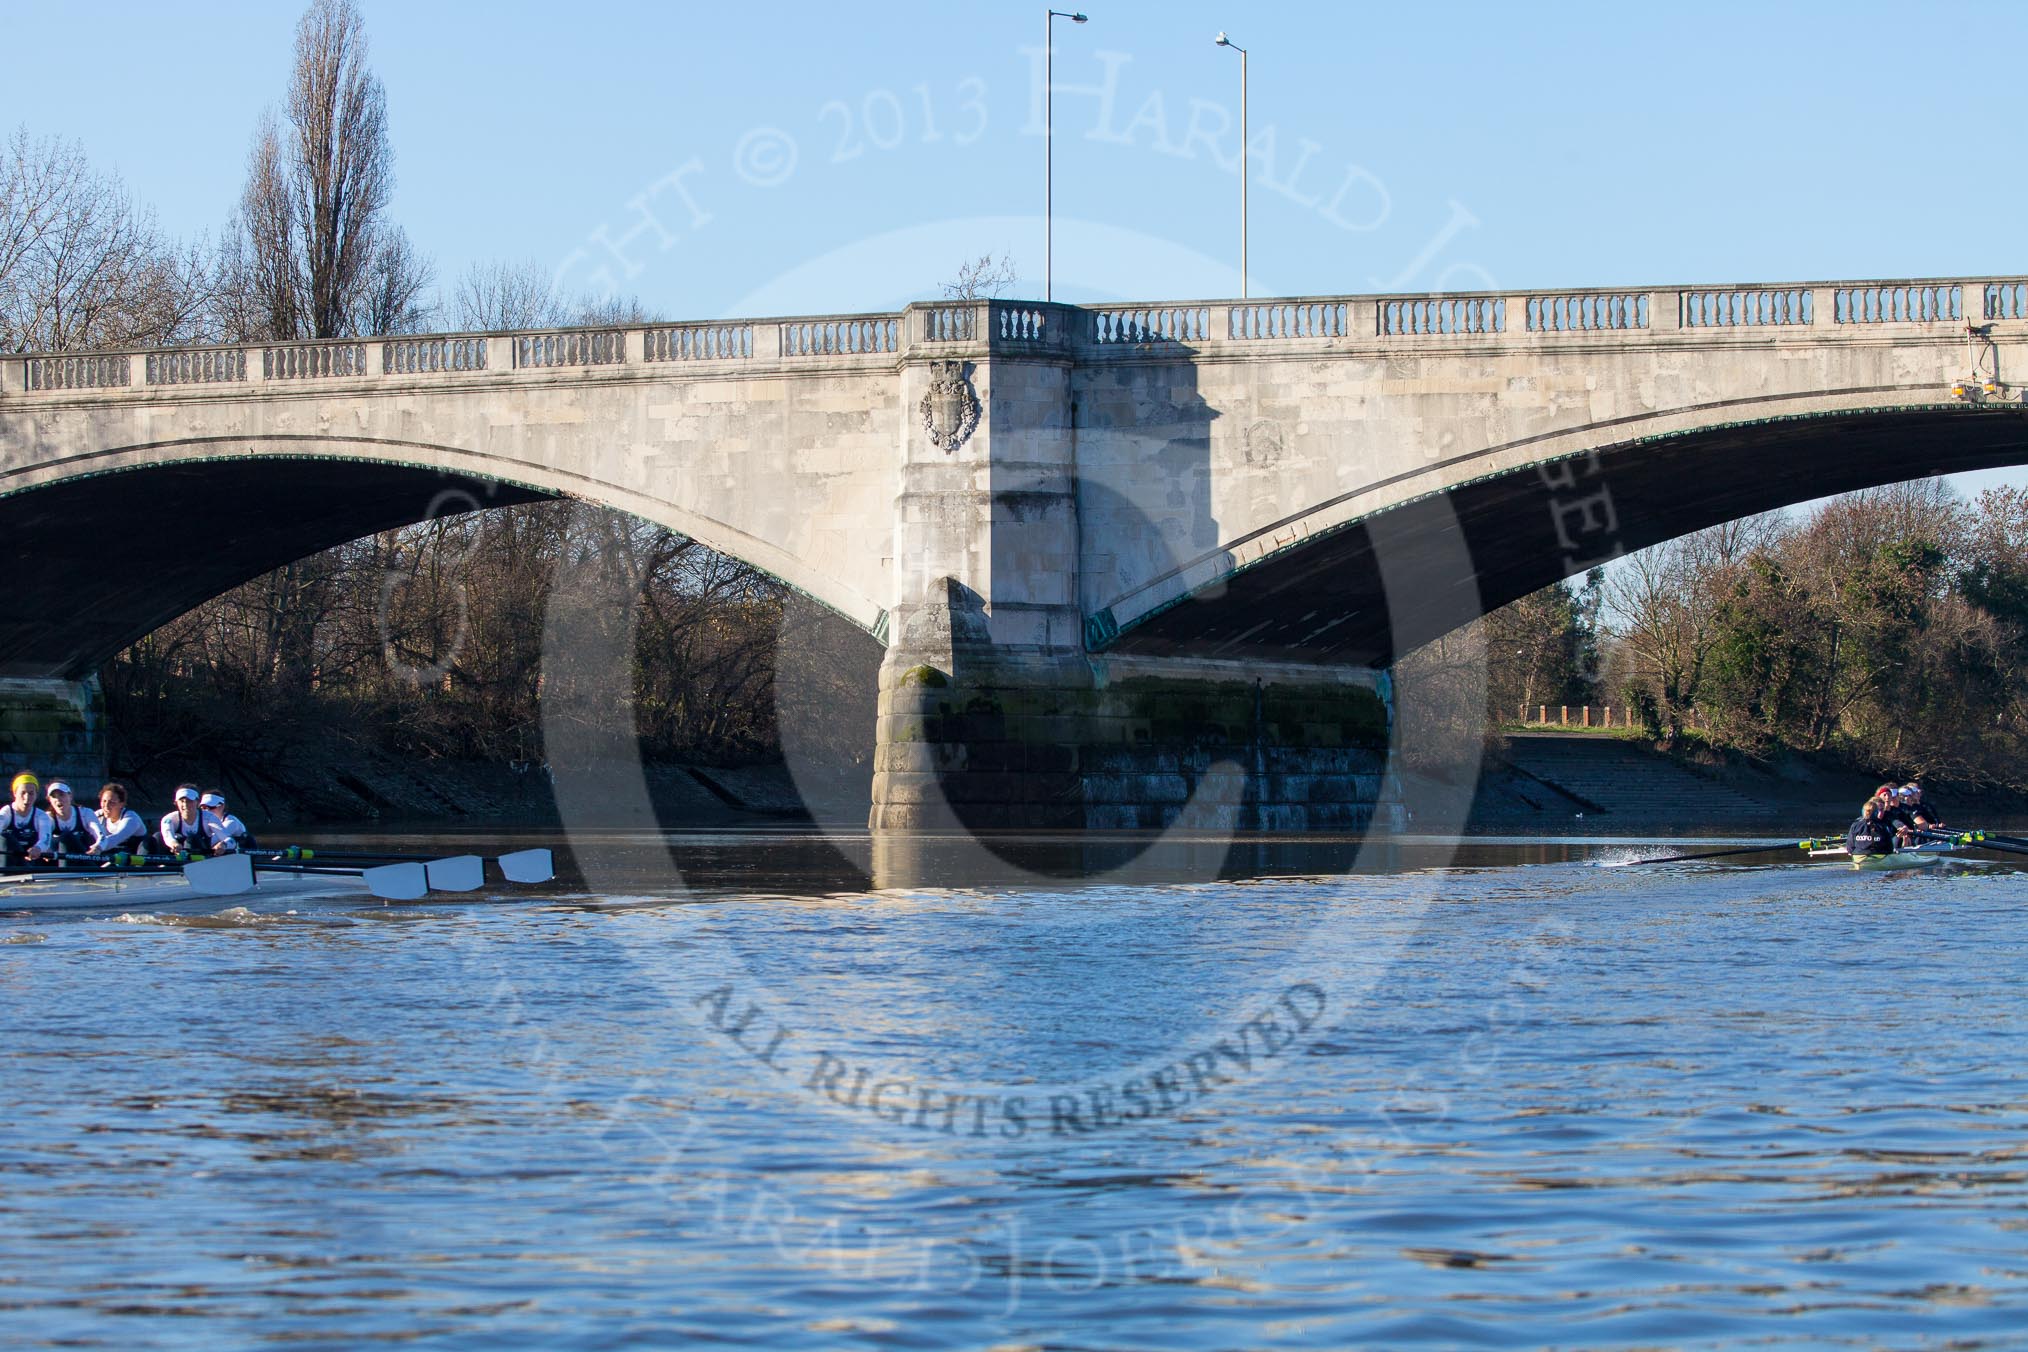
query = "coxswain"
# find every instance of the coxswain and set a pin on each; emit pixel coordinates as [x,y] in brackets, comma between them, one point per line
[185,830]
[72,829]
[24,827]
[1872,833]
[228,833]
[120,827]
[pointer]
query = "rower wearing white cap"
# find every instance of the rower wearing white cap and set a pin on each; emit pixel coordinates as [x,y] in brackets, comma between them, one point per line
[228,833]
[24,827]
[72,829]
[184,830]
[120,827]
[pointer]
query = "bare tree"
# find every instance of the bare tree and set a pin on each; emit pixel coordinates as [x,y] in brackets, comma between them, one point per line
[308,255]
[982,278]
[393,298]
[341,165]
[492,297]
[80,265]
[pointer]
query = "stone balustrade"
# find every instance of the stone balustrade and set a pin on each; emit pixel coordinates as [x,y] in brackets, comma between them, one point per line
[1148,325]
[698,342]
[1747,308]
[950,323]
[856,336]
[196,366]
[308,361]
[94,372]
[407,356]
[1103,332]
[570,347]
[1588,312]
[1443,314]
[1287,319]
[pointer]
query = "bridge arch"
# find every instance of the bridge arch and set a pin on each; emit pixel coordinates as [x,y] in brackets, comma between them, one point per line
[1306,588]
[123,538]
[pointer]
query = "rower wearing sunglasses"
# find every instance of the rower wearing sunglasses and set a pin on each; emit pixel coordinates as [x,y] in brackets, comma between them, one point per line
[228,833]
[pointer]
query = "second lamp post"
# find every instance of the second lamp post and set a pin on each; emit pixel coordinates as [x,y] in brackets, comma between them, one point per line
[1225,41]
[1049,148]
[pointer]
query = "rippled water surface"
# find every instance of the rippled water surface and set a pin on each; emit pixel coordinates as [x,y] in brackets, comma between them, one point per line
[1527,1098]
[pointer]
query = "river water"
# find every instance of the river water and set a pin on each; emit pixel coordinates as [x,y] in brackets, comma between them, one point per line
[726,1090]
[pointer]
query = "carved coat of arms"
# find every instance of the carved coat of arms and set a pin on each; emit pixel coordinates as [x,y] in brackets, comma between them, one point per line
[950,410]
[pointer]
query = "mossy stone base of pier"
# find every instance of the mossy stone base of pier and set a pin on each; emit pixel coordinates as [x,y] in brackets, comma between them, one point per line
[1102,746]
[56,729]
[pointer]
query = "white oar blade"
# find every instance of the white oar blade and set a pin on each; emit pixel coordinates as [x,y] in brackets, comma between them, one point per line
[459,873]
[527,866]
[221,876]
[397,882]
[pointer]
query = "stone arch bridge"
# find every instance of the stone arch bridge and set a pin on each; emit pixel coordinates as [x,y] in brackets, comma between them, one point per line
[1114,552]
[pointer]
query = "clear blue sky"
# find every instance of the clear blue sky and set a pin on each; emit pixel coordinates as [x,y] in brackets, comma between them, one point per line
[820,157]
[1473,144]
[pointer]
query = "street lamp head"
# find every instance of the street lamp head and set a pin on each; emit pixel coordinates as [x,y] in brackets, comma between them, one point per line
[1223,40]
[1078,18]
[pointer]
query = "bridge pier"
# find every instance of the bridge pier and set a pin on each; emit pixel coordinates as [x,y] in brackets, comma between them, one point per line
[993,715]
[57,729]
[1133,744]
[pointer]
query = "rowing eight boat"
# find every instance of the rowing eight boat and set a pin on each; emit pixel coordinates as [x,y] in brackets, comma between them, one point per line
[130,891]
[263,878]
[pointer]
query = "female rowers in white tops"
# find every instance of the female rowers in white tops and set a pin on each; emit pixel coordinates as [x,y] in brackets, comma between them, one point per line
[185,831]
[24,827]
[120,828]
[72,829]
[228,833]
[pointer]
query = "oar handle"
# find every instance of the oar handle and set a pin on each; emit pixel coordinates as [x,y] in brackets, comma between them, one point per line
[304,854]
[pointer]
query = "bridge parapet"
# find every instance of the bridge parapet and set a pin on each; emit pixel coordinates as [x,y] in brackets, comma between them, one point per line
[1802,311]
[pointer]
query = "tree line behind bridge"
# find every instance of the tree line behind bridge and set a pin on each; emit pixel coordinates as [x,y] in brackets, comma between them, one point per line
[1886,630]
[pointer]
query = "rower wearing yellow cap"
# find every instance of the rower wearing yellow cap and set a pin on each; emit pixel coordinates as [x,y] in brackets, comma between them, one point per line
[24,827]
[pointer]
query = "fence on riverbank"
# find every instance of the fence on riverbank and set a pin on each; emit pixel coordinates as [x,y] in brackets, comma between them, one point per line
[1586,716]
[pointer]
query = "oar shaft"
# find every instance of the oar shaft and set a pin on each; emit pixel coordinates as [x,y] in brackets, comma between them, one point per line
[295,855]
[310,870]
[1977,840]
[1709,854]
[84,866]
[313,855]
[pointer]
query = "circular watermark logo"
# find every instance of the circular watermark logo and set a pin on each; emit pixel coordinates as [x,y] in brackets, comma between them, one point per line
[810,1032]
